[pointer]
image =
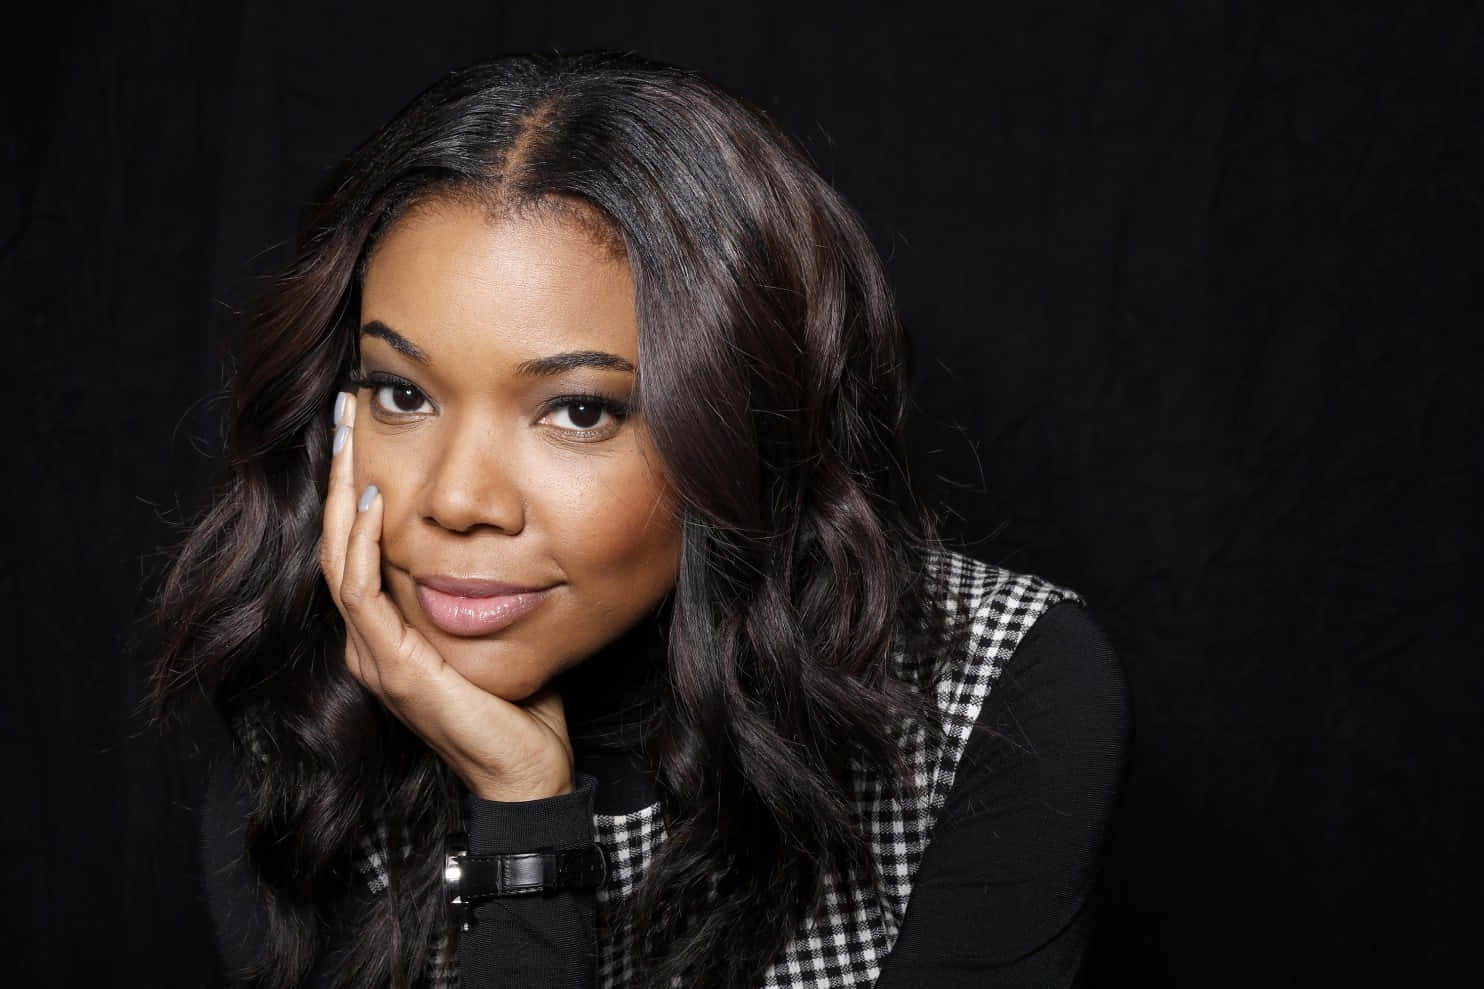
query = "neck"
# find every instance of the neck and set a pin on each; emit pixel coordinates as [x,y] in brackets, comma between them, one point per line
[611,695]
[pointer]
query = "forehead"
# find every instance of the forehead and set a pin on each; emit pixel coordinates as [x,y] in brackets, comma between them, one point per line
[455,280]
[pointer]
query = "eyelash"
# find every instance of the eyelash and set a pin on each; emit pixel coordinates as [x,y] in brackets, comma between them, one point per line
[380,379]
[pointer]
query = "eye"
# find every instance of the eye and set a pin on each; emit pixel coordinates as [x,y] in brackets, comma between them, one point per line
[587,415]
[401,397]
[391,395]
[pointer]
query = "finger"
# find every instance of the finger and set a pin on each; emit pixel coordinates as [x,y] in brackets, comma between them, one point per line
[340,500]
[392,659]
[387,654]
[357,653]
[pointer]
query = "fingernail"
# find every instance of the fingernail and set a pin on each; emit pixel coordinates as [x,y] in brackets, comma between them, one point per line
[367,497]
[342,433]
[340,408]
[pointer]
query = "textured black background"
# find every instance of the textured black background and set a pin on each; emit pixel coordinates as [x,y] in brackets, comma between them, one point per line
[1196,295]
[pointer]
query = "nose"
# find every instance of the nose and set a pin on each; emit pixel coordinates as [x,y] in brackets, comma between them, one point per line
[474,482]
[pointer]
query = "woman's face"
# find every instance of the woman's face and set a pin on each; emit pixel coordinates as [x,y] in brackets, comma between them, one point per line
[475,337]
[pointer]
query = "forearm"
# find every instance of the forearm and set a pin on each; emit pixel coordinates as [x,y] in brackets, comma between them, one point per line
[539,940]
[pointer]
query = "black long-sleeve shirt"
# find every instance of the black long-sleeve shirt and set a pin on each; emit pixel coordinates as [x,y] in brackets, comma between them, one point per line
[1000,900]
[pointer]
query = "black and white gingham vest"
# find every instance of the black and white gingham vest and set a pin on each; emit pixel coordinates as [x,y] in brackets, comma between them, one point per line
[845,942]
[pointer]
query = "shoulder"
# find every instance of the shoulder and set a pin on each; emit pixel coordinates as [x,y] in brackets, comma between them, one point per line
[957,578]
[991,610]
[1026,789]
[1028,670]
[1058,719]
[987,612]
[1030,649]
[1009,613]
[1065,660]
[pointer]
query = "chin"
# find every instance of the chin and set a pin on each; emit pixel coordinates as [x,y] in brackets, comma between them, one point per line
[503,669]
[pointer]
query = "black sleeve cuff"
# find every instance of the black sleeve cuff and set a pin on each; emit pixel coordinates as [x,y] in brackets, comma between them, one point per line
[497,827]
[537,942]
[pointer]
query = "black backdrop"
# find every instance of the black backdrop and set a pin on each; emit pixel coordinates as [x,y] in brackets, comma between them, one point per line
[1195,293]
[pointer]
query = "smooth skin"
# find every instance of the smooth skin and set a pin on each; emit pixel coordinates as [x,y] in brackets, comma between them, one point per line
[481,471]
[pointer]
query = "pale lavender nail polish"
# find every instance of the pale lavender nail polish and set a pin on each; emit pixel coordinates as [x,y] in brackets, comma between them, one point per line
[367,498]
[342,433]
[340,408]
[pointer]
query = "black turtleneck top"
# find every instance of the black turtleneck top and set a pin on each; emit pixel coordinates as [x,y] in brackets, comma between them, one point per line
[1002,898]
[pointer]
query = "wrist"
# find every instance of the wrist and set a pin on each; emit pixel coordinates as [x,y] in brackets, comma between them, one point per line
[513,791]
[564,821]
[496,829]
[469,880]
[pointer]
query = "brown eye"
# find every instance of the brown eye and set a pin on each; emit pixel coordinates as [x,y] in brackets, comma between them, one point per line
[402,398]
[587,416]
[406,398]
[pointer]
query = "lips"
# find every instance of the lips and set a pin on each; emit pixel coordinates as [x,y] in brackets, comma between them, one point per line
[473,587]
[473,607]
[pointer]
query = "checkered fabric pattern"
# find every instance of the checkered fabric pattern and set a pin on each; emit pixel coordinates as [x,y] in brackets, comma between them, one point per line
[630,841]
[845,942]
[371,862]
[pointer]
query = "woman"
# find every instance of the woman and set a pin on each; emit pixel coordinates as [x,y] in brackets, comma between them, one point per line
[598,590]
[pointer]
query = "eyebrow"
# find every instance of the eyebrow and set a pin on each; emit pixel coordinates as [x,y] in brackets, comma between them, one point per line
[544,367]
[536,367]
[399,343]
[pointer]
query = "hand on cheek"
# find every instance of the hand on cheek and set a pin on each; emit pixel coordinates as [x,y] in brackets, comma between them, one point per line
[501,751]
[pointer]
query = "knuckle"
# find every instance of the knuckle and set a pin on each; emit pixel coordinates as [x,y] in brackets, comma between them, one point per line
[353,595]
[407,652]
[396,687]
[399,674]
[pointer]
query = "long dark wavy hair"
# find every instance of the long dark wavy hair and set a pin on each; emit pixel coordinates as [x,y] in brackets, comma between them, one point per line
[774,378]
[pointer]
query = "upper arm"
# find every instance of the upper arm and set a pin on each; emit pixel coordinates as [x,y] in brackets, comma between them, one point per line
[998,899]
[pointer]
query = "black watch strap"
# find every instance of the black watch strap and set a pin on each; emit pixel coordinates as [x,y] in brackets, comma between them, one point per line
[527,873]
[473,879]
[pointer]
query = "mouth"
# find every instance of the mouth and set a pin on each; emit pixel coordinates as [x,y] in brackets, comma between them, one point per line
[474,607]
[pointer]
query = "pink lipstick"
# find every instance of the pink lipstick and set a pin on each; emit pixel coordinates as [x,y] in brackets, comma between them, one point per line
[475,607]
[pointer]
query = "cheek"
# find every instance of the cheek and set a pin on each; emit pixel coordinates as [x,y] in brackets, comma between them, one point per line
[381,461]
[619,522]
